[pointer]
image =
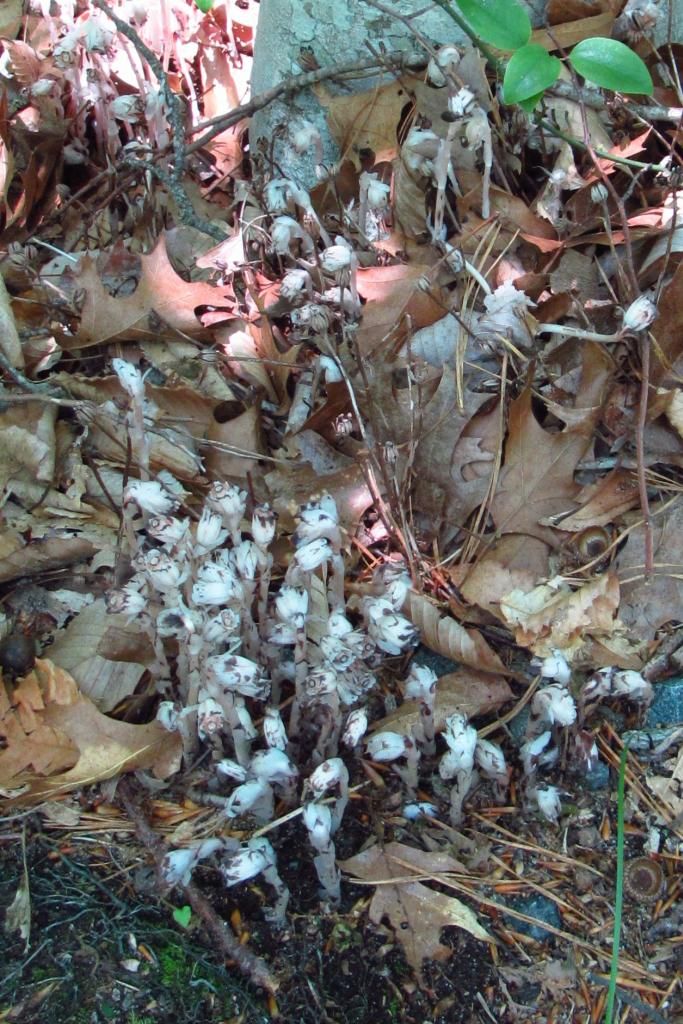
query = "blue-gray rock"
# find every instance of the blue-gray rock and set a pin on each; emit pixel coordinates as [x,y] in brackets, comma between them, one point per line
[667,707]
[539,907]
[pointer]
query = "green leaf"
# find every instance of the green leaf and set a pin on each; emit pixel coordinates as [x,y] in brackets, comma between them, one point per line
[530,105]
[502,23]
[529,72]
[204,5]
[611,65]
[182,915]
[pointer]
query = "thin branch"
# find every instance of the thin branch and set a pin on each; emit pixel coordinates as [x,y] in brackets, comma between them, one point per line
[248,963]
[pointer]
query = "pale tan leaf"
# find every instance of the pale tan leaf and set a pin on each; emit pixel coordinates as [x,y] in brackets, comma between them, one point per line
[79,648]
[602,502]
[467,691]
[10,344]
[416,913]
[441,633]
[19,558]
[515,562]
[10,18]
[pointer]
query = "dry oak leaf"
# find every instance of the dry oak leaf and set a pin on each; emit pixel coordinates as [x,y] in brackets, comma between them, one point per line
[515,562]
[441,633]
[161,296]
[553,617]
[55,739]
[647,605]
[416,913]
[469,692]
[537,478]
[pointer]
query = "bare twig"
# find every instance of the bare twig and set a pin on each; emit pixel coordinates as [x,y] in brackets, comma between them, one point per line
[248,963]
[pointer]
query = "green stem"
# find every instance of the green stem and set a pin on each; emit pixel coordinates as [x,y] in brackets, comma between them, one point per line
[619,894]
[638,164]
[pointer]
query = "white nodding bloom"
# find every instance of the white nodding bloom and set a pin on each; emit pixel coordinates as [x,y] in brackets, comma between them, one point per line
[420,810]
[490,760]
[548,801]
[282,633]
[209,532]
[338,625]
[355,728]
[163,572]
[173,621]
[229,501]
[245,796]
[167,529]
[256,856]
[273,766]
[640,314]
[291,605]
[305,137]
[377,191]
[336,258]
[295,284]
[246,556]
[126,600]
[531,751]
[386,746]
[222,627]
[276,195]
[421,684]
[216,584]
[283,232]
[263,522]
[177,866]
[167,715]
[556,667]
[554,704]
[461,739]
[318,821]
[237,673]
[210,718]
[274,729]
[446,60]
[314,554]
[609,682]
[318,518]
[392,632]
[327,775]
[150,496]
[130,378]
[231,770]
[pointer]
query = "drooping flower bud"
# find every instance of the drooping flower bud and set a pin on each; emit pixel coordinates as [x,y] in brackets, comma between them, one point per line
[640,314]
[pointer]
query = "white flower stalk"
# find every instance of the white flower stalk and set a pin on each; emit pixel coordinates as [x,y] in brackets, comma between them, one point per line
[231,770]
[458,762]
[231,503]
[209,532]
[133,383]
[177,865]
[490,760]
[340,260]
[421,686]
[222,628]
[317,519]
[164,573]
[128,601]
[548,802]
[554,705]
[296,286]
[168,530]
[254,797]
[318,820]
[311,556]
[392,633]
[291,606]
[442,66]
[215,585]
[533,753]
[610,682]
[258,857]
[556,667]
[331,774]
[274,729]
[640,314]
[210,719]
[150,496]
[386,746]
[274,767]
[232,672]
[355,728]
[284,232]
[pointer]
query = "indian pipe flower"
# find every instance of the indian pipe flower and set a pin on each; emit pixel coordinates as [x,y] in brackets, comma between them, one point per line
[554,704]
[236,673]
[274,729]
[355,728]
[230,502]
[548,801]
[167,529]
[163,572]
[209,532]
[150,496]
[215,585]
[392,633]
[263,523]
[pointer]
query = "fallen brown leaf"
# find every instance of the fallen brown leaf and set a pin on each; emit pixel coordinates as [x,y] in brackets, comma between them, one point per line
[441,633]
[467,691]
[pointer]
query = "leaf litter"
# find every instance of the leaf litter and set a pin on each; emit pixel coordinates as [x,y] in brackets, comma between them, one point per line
[462,385]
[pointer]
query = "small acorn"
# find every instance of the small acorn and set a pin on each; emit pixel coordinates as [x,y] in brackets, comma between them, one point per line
[644,879]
